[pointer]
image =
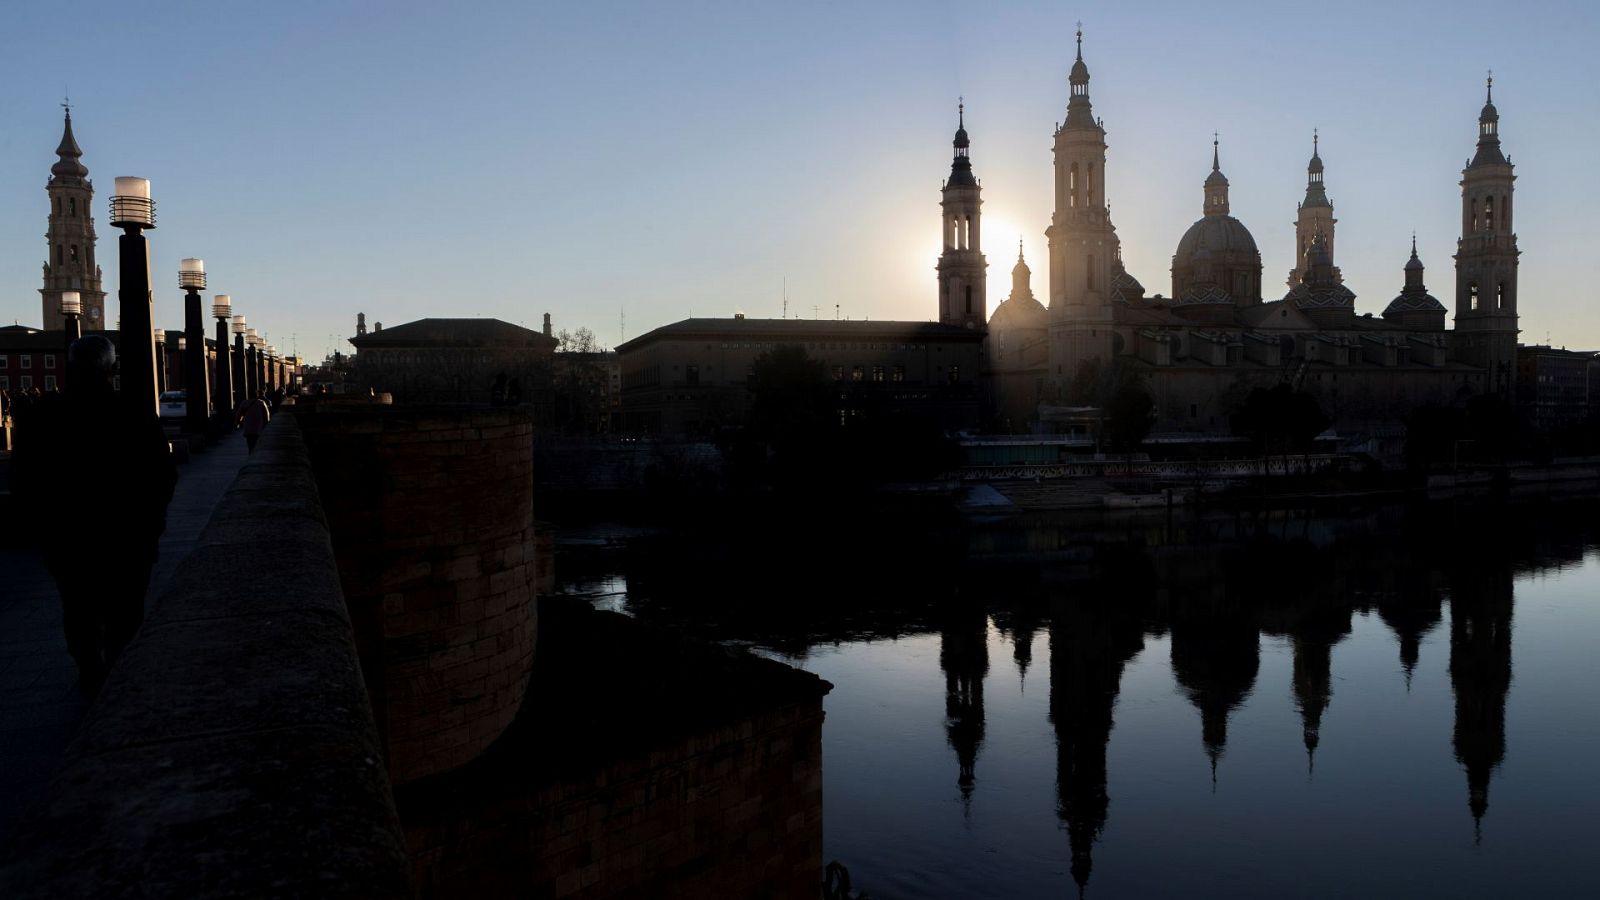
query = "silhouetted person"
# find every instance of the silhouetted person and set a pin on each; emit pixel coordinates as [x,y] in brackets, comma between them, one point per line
[97,478]
[253,416]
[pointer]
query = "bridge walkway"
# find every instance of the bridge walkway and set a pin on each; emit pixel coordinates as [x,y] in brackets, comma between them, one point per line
[40,706]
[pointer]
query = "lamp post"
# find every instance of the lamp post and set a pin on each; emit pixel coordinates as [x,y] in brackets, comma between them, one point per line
[192,279]
[241,383]
[274,368]
[161,361]
[133,211]
[252,358]
[222,308]
[71,308]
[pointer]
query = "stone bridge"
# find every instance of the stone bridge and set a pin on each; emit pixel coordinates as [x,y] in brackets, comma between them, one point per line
[348,689]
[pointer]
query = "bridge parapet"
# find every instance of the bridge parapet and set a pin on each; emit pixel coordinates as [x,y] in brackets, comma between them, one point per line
[233,752]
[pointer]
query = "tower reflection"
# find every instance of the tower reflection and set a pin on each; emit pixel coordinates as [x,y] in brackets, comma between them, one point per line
[964,659]
[1480,669]
[1092,637]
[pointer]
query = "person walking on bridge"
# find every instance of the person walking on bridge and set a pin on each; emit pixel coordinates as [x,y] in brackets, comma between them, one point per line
[254,416]
[96,475]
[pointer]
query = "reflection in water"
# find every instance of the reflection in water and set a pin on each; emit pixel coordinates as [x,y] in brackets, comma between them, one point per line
[1480,669]
[1092,637]
[1211,586]
[964,658]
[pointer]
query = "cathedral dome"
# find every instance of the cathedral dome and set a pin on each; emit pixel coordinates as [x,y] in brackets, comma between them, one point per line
[1214,234]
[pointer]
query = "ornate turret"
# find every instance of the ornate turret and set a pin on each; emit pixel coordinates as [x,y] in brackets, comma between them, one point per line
[1082,240]
[962,294]
[1315,214]
[70,265]
[1486,260]
[1415,307]
[1319,293]
[69,166]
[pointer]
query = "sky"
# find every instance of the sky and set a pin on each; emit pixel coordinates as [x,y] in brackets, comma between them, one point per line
[621,166]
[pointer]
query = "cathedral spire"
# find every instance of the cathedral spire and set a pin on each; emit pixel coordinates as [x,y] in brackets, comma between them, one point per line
[1079,113]
[1216,182]
[69,164]
[1488,130]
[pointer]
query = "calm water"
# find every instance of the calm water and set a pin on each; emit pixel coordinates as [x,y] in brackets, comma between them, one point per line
[1392,703]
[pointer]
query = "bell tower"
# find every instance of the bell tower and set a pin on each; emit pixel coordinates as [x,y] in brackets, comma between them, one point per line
[1486,260]
[1315,216]
[962,297]
[1081,237]
[71,264]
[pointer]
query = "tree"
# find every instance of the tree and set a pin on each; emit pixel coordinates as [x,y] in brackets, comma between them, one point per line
[580,341]
[1131,413]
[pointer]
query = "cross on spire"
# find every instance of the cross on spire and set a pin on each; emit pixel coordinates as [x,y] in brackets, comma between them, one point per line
[1080,39]
[1313,142]
[1216,164]
[961,112]
[1490,86]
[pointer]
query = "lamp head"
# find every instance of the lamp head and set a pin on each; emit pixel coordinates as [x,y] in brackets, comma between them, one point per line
[71,303]
[221,306]
[131,206]
[192,274]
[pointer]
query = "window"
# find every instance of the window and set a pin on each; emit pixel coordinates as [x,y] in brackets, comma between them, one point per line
[856,374]
[26,381]
[49,360]
[1089,273]
[955,374]
[5,382]
[72,205]
[838,373]
[49,382]
[1472,295]
[877,373]
[5,361]
[1500,296]
[969,299]
[691,376]
[26,360]
[61,255]
[899,373]
[1488,214]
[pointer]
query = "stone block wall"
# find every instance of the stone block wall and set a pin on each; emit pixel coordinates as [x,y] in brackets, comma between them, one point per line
[732,812]
[432,519]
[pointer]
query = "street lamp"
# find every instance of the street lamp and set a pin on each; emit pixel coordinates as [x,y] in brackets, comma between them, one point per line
[252,346]
[241,380]
[274,372]
[71,308]
[161,360]
[134,212]
[197,412]
[221,308]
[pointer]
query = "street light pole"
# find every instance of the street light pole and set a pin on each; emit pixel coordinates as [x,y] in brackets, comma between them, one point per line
[222,308]
[71,308]
[133,211]
[252,363]
[241,381]
[161,361]
[197,415]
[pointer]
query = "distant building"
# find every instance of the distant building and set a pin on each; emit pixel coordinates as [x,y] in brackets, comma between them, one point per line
[693,376]
[1218,335]
[454,360]
[71,265]
[1555,385]
[31,358]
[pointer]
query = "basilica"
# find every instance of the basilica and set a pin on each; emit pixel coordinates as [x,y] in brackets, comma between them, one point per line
[1222,331]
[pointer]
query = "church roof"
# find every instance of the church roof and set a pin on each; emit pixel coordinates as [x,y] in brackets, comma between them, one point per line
[799,330]
[1020,312]
[454,333]
[69,165]
[1215,234]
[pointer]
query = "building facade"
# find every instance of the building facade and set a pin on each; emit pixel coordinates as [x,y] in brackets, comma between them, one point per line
[453,361]
[693,377]
[1218,335]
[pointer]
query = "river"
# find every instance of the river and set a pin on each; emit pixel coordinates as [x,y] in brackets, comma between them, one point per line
[1392,701]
